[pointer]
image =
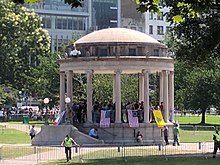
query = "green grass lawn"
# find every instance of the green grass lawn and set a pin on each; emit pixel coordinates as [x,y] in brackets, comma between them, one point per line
[143,161]
[12,136]
[195,136]
[197,119]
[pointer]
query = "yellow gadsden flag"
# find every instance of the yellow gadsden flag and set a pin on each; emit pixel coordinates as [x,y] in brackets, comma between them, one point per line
[159,118]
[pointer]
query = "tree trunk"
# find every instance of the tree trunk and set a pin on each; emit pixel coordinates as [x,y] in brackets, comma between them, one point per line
[203,117]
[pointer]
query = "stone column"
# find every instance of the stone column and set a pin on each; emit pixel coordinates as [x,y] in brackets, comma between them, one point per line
[141,86]
[118,96]
[171,95]
[113,97]
[89,75]
[161,87]
[146,96]
[69,92]
[165,96]
[62,91]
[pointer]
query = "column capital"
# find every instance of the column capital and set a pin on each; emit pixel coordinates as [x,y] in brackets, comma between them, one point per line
[118,71]
[90,71]
[145,71]
[71,71]
[164,71]
[62,72]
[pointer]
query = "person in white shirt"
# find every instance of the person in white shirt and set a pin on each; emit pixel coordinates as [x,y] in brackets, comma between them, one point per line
[75,53]
[32,132]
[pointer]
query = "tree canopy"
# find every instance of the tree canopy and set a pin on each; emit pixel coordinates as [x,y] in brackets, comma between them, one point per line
[22,42]
[179,9]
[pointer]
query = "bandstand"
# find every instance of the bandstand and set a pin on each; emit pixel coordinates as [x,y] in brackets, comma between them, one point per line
[118,51]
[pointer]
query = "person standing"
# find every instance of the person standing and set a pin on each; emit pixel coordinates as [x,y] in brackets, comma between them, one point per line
[176,133]
[166,134]
[216,138]
[32,132]
[67,143]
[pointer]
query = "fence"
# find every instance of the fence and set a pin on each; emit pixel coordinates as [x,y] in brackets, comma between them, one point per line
[36,154]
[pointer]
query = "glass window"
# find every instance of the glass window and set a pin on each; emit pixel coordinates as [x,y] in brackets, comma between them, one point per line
[140,29]
[48,22]
[64,23]
[151,15]
[75,23]
[160,30]
[58,23]
[160,16]
[168,28]
[70,23]
[150,29]
[80,24]
[103,14]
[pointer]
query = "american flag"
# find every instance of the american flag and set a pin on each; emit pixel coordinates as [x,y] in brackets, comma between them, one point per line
[105,119]
[133,118]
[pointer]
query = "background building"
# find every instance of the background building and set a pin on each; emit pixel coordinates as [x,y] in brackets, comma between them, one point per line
[65,23]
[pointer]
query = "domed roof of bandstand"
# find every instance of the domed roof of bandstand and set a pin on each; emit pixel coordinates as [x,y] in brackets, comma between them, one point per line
[117,35]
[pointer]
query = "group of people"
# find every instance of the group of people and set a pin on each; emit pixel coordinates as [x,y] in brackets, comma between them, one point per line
[176,133]
[68,142]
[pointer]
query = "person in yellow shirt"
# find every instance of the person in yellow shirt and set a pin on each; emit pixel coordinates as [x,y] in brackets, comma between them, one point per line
[216,138]
[67,143]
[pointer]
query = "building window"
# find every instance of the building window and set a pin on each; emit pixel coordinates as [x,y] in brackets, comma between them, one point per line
[46,21]
[132,52]
[160,16]
[140,29]
[156,52]
[160,30]
[64,23]
[70,23]
[151,15]
[168,28]
[58,23]
[150,29]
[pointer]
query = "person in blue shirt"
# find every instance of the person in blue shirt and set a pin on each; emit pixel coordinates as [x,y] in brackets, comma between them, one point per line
[93,133]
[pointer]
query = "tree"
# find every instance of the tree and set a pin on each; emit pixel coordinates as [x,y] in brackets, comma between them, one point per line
[179,9]
[44,81]
[197,87]
[22,42]
[7,95]
[197,40]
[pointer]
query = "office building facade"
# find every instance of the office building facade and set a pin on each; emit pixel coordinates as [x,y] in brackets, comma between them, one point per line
[66,24]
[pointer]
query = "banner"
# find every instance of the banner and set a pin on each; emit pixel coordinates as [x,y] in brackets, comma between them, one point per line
[159,118]
[105,119]
[133,118]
